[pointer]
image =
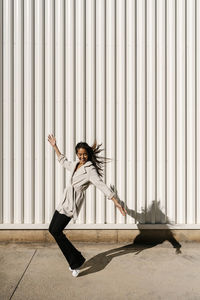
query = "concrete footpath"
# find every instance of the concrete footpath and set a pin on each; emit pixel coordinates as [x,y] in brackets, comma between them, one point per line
[113,271]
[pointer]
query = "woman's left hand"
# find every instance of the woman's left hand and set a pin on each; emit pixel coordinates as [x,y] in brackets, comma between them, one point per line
[122,209]
[117,204]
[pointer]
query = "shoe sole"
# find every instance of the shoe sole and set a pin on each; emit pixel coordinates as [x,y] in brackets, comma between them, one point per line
[76,274]
[78,267]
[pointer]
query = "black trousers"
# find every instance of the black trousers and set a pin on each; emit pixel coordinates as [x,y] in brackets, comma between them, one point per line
[72,255]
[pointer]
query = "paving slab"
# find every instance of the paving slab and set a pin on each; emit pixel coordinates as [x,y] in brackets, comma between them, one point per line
[112,271]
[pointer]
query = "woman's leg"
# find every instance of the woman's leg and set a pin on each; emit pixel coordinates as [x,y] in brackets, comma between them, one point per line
[73,256]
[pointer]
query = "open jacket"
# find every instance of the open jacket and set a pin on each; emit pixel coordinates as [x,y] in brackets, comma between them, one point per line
[74,192]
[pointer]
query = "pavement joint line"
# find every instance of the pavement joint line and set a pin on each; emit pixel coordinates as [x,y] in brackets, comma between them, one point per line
[23,274]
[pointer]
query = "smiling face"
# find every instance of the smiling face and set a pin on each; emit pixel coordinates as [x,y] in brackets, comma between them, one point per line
[82,155]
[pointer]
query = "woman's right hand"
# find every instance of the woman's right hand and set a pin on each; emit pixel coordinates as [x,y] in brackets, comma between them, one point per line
[52,140]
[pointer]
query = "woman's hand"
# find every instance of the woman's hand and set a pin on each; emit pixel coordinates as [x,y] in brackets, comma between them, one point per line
[52,140]
[122,209]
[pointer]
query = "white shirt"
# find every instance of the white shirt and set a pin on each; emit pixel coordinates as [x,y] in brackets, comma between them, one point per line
[74,192]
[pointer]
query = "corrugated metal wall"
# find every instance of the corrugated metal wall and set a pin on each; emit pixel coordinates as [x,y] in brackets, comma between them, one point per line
[124,72]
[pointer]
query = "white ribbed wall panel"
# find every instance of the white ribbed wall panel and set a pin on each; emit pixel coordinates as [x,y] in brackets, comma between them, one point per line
[124,72]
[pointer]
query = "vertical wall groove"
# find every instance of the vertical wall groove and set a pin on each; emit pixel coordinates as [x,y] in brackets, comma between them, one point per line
[175,111]
[166,94]
[136,64]
[186,171]
[1,110]
[156,111]
[196,136]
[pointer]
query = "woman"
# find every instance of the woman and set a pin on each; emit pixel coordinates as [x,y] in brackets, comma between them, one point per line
[84,172]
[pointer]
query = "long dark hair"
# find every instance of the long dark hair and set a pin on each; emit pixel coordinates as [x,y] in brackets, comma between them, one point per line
[92,152]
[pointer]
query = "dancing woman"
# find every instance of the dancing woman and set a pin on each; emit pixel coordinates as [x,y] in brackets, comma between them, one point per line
[84,172]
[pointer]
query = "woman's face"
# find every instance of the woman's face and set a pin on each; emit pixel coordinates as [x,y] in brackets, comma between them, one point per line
[82,155]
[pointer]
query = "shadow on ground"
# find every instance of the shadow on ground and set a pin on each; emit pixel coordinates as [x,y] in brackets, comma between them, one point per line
[146,239]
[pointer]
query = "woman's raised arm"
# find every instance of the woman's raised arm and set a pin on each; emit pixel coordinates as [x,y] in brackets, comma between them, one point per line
[52,141]
[62,159]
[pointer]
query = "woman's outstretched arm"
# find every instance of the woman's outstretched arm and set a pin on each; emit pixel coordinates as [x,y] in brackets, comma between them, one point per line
[98,182]
[52,141]
[58,153]
[62,159]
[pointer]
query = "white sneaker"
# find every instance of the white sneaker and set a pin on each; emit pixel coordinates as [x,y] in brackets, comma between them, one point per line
[75,272]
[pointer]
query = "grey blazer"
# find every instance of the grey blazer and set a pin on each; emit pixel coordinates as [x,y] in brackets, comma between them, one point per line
[74,193]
